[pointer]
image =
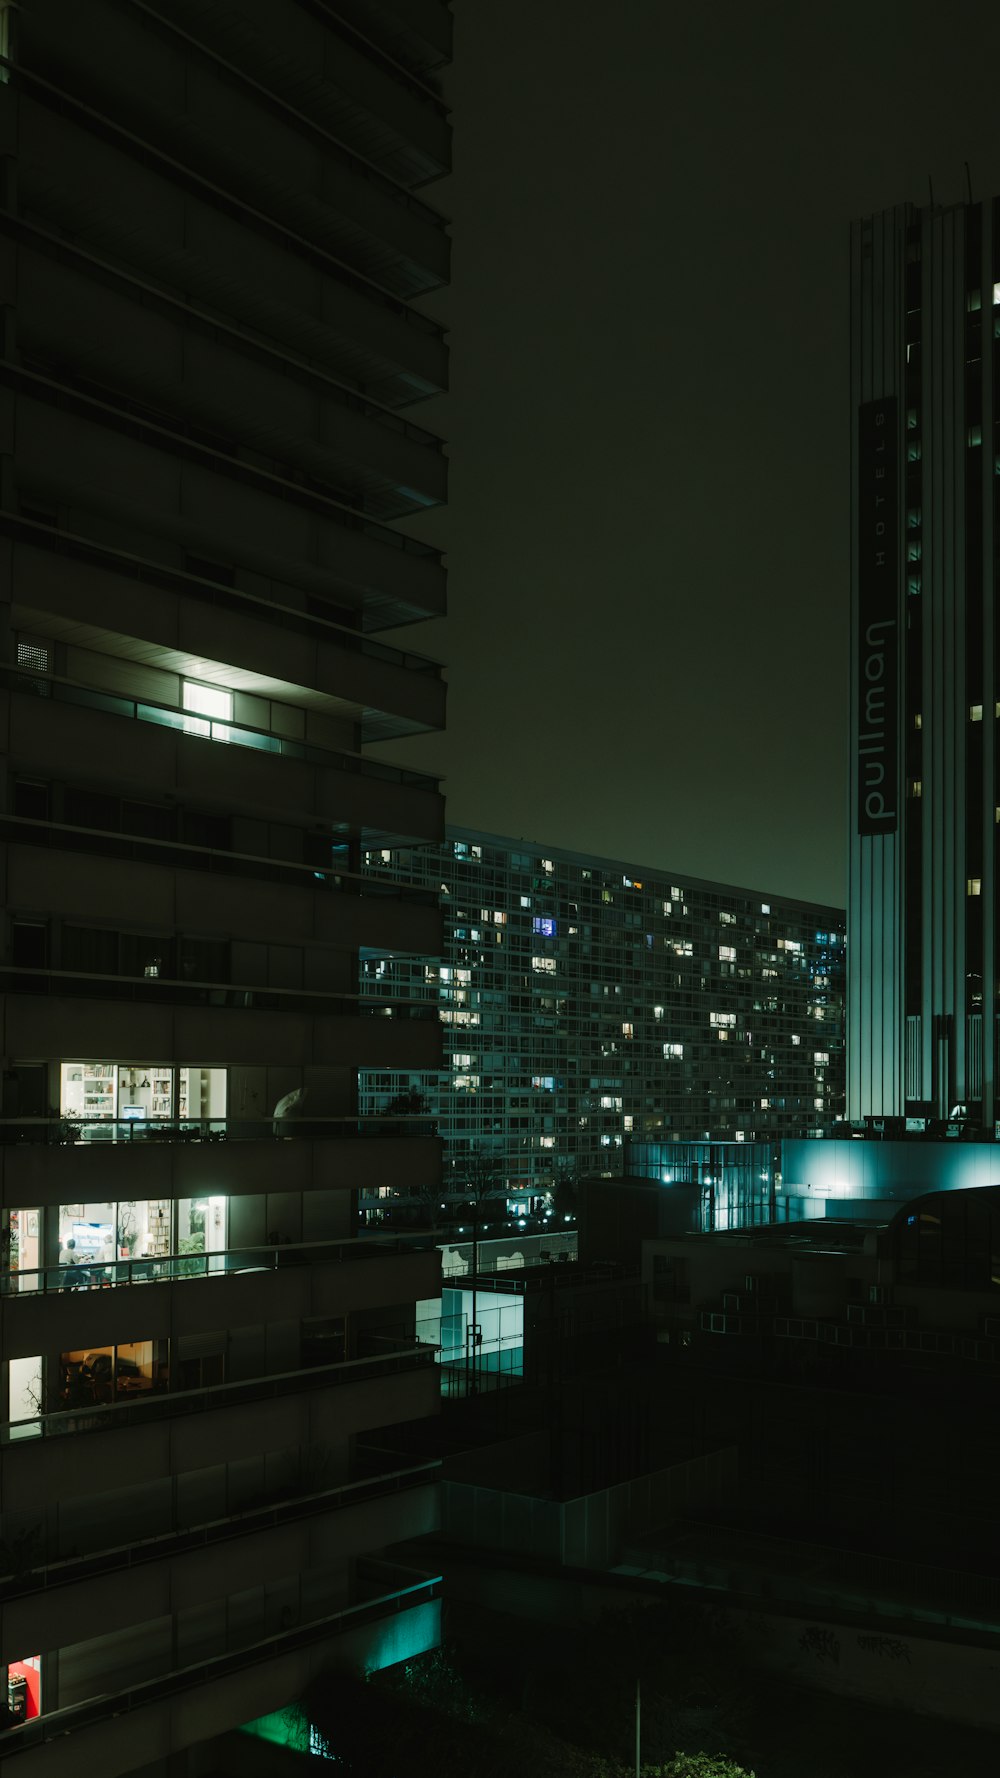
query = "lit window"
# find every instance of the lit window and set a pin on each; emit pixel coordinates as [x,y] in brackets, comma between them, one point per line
[974,886]
[796,1039]
[675,894]
[821,1055]
[722,1018]
[918,721]
[544,925]
[658,1011]
[548,866]
[974,436]
[975,712]
[996,295]
[764,1104]
[671,1051]
[727,953]
[916,787]
[207,700]
[627,1123]
[34,655]
[765,907]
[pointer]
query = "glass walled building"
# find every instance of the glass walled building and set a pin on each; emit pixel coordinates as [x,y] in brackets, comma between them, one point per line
[586,1002]
[213,229]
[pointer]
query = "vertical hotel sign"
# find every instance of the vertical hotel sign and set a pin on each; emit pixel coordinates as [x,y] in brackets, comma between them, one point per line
[876,745]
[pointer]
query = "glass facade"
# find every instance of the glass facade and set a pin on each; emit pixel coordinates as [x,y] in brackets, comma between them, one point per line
[587,1002]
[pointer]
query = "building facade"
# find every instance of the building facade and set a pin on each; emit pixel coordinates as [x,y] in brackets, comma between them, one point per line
[586,1002]
[925,806]
[212,233]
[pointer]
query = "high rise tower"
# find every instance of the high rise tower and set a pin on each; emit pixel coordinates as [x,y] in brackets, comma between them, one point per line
[211,231]
[922,939]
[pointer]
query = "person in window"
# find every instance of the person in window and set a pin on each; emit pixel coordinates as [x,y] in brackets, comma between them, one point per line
[75,1276]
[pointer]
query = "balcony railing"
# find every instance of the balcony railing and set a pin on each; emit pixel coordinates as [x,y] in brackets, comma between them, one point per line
[221,1261]
[65,1130]
[244,997]
[147,1409]
[213,1668]
[178,855]
[203,728]
[178,1541]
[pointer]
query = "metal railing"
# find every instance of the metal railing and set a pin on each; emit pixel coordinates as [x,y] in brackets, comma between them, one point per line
[242,996]
[70,1130]
[205,728]
[213,1668]
[178,1541]
[59,835]
[219,1262]
[155,1406]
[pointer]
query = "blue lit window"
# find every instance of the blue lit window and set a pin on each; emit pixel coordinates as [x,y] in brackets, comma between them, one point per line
[544,925]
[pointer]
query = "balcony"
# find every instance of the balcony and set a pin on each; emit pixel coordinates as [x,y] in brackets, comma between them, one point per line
[225,1262]
[155,1407]
[346,791]
[272,647]
[84,874]
[125,198]
[53,1161]
[105,1591]
[227,1688]
[60,1011]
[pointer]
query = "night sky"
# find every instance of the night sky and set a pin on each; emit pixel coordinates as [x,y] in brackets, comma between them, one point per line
[648,530]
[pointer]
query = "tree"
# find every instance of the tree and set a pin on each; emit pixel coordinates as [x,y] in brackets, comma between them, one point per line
[697,1765]
[479,1177]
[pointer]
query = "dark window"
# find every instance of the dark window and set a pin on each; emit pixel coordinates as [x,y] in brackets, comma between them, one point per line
[208,570]
[29,945]
[200,829]
[92,950]
[140,955]
[88,808]
[204,959]
[31,799]
[151,821]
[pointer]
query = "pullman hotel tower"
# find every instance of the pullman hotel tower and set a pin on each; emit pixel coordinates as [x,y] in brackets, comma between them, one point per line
[925,685]
[213,224]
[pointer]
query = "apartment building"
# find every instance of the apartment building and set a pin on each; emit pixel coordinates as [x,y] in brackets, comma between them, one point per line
[212,231]
[587,1003]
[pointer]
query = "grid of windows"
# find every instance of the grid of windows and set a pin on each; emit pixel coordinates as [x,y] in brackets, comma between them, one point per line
[595,1001]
